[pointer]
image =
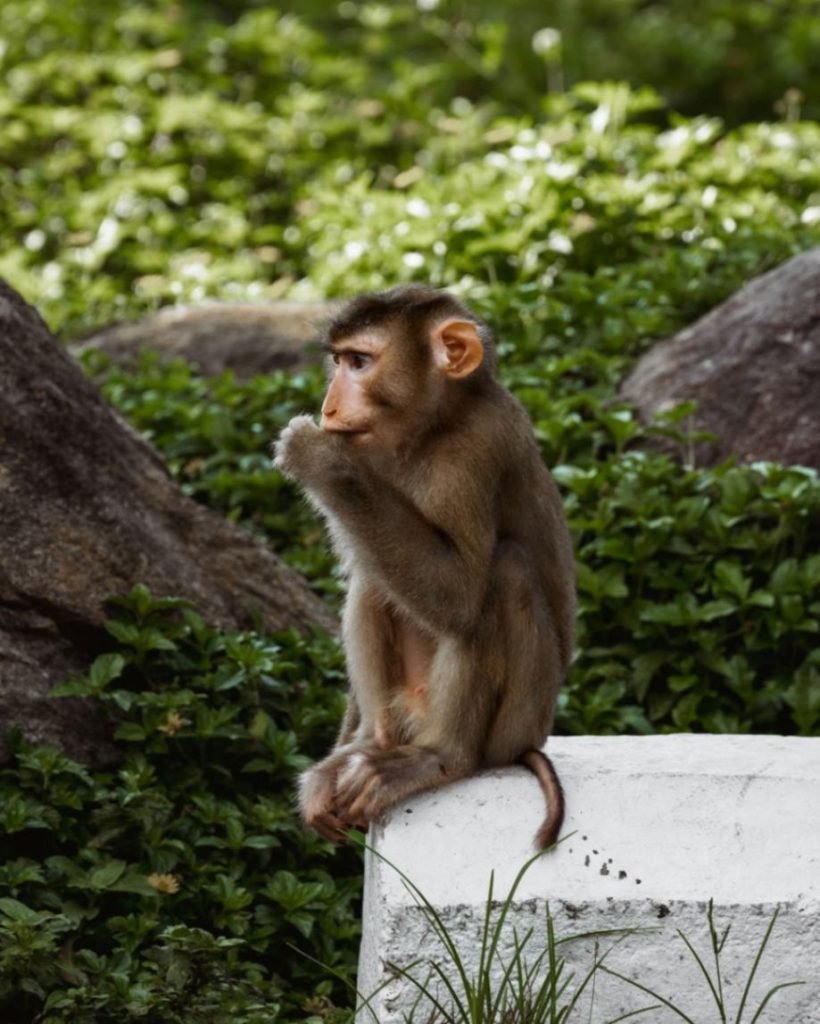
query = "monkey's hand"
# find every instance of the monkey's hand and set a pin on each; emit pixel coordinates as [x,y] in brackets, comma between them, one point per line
[303,450]
[320,460]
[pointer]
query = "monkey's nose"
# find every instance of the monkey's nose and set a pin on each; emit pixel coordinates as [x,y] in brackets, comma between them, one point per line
[328,420]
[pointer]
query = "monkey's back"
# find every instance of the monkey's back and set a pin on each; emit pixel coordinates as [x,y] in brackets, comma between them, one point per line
[530,512]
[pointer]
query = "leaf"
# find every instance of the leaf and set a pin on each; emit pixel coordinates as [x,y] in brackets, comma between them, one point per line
[131,732]
[17,911]
[302,921]
[75,687]
[260,724]
[105,668]
[731,579]
[125,632]
[106,875]
[152,639]
[134,882]
[261,842]
[787,577]
[711,610]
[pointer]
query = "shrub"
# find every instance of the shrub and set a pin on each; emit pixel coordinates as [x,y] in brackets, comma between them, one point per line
[174,886]
[154,154]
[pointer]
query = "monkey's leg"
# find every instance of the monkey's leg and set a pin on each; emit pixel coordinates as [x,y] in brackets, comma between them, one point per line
[446,745]
[373,666]
[317,795]
[372,669]
[522,649]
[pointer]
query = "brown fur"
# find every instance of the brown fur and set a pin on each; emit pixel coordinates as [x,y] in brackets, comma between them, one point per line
[459,620]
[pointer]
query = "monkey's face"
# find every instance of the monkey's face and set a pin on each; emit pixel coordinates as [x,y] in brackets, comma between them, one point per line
[384,386]
[354,369]
[375,388]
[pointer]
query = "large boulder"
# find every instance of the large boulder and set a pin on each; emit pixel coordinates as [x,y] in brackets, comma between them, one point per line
[752,365]
[248,338]
[88,509]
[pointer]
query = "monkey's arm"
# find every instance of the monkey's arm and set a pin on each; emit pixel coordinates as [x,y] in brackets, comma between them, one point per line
[438,572]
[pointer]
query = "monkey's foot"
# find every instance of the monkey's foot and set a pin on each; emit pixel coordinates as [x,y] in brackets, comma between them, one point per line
[319,804]
[375,779]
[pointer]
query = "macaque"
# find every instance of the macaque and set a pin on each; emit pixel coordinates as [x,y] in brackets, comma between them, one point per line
[459,617]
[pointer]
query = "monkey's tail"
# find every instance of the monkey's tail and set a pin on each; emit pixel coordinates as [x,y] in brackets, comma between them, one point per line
[541,767]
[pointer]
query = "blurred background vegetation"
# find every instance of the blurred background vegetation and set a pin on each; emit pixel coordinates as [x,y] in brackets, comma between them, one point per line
[591,176]
[154,151]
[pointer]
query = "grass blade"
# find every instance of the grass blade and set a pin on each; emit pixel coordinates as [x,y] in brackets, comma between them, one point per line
[755,965]
[717,949]
[717,998]
[633,1013]
[770,993]
[649,992]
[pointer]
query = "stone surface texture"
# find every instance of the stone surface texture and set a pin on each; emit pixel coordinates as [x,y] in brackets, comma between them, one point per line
[752,365]
[248,338]
[656,828]
[88,509]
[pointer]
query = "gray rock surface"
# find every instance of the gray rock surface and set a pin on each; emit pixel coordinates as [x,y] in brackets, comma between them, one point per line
[248,338]
[752,365]
[88,509]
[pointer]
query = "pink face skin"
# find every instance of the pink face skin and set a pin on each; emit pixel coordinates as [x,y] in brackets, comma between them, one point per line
[347,408]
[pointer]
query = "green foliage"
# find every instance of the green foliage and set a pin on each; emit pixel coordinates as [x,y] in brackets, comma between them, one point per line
[591,211]
[174,886]
[153,154]
[699,595]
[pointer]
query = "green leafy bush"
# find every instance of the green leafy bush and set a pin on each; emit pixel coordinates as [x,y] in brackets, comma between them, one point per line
[174,886]
[154,154]
[700,598]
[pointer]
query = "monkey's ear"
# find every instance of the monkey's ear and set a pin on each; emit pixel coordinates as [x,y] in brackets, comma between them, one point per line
[457,347]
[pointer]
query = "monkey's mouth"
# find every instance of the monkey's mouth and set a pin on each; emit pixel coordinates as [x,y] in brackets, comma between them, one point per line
[348,431]
[357,435]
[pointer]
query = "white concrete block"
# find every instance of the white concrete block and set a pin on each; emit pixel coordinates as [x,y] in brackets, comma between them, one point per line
[660,825]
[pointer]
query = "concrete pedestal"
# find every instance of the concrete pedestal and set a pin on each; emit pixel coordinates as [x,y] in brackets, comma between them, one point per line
[659,826]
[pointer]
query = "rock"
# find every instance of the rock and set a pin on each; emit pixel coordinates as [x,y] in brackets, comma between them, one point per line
[752,365]
[244,337]
[88,509]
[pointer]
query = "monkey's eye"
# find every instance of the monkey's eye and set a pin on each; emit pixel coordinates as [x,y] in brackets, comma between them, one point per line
[359,360]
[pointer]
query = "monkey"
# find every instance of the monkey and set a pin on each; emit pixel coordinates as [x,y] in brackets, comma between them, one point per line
[458,620]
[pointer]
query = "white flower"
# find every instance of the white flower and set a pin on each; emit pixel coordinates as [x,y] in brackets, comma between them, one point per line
[545,41]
